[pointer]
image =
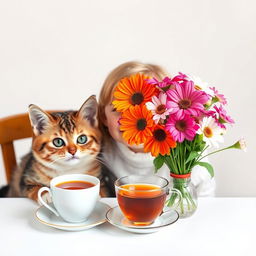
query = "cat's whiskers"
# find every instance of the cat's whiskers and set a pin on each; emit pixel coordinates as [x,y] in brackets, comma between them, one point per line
[57,159]
[103,161]
[100,159]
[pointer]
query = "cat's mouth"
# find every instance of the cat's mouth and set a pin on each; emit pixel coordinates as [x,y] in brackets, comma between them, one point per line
[72,158]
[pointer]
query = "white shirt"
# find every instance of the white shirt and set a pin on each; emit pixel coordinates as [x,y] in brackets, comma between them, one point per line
[122,162]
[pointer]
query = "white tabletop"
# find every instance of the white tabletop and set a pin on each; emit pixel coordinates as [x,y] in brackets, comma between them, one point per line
[220,226]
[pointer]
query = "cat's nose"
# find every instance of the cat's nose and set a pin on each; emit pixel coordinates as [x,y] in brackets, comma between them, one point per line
[72,150]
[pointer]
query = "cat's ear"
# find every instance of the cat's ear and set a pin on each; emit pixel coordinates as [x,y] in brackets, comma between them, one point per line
[89,110]
[39,119]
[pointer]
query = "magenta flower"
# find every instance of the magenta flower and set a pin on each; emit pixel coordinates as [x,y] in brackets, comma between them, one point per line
[180,78]
[208,113]
[164,85]
[182,128]
[222,117]
[203,114]
[153,81]
[219,97]
[168,83]
[186,100]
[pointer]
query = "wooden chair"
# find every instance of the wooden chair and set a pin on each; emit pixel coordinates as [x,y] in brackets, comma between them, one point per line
[13,128]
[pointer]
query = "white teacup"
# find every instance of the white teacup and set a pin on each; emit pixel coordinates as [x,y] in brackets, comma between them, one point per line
[72,205]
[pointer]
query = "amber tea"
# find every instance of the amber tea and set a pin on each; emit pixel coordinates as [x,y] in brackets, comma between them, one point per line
[141,203]
[75,184]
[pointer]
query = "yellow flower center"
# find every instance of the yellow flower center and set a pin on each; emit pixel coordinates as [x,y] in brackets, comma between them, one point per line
[208,132]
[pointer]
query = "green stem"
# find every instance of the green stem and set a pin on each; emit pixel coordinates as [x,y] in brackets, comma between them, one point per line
[187,203]
[181,158]
[187,200]
[171,164]
[178,158]
[216,151]
[202,151]
[182,206]
[191,200]
[193,145]
[192,163]
[184,165]
[175,160]
[171,200]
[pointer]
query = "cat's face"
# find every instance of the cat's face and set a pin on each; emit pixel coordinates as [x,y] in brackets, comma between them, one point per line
[66,138]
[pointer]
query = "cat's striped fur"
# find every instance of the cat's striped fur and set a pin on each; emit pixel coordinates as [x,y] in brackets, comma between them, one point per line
[81,138]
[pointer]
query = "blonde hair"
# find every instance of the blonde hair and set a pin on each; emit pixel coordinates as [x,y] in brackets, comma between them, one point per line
[124,70]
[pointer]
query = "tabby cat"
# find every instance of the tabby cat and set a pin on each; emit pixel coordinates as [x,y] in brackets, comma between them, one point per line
[63,143]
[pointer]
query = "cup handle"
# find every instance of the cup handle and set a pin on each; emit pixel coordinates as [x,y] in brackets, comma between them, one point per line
[174,190]
[40,191]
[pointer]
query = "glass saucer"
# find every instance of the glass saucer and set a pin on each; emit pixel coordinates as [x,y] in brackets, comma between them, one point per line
[115,217]
[48,218]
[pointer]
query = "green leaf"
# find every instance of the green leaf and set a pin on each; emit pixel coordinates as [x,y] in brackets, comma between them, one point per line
[200,137]
[202,145]
[191,156]
[207,166]
[158,162]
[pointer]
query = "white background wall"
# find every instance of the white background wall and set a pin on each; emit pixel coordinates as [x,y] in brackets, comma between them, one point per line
[57,53]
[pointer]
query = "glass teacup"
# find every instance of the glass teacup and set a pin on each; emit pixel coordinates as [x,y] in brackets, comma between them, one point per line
[141,198]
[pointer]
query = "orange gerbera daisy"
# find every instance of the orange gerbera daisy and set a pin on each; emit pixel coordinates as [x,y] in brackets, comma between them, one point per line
[160,142]
[133,91]
[136,123]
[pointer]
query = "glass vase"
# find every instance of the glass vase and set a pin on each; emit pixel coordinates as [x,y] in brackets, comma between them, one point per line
[188,204]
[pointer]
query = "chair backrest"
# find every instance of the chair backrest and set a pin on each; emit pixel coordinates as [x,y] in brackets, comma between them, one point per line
[13,128]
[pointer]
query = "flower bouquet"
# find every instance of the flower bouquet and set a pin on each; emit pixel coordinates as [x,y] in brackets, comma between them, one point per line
[177,120]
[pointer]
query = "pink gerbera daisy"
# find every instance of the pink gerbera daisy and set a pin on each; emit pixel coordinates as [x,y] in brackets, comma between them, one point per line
[168,83]
[180,77]
[164,85]
[222,117]
[185,99]
[218,97]
[182,128]
[159,107]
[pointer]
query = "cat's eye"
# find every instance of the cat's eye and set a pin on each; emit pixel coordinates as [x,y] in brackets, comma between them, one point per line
[58,142]
[82,139]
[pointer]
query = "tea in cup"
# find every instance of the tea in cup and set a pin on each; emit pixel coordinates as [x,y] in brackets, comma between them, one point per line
[74,196]
[142,198]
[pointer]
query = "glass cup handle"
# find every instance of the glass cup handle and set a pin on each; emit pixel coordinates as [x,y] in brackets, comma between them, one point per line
[174,190]
[40,191]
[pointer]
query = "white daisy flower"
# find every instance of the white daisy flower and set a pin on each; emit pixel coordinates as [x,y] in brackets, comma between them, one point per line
[213,134]
[159,107]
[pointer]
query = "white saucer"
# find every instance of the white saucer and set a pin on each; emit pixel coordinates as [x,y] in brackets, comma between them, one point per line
[116,218]
[48,218]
